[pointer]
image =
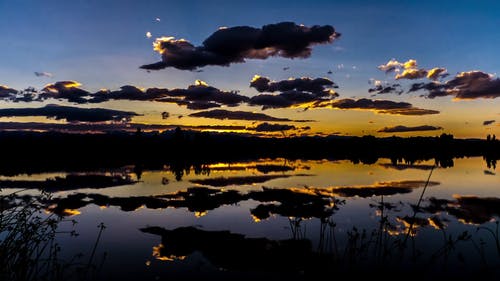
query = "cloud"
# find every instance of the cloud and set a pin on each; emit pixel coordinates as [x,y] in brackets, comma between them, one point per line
[293,92]
[127,92]
[70,114]
[222,114]
[488,122]
[273,101]
[410,64]
[197,96]
[236,44]
[412,73]
[391,66]
[305,84]
[7,92]
[434,89]
[267,127]
[412,111]
[68,90]
[465,85]
[473,85]
[403,129]
[148,34]
[436,73]
[395,66]
[379,106]
[43,74]
[379,88]
[410,70]
[368,104]
[201,92]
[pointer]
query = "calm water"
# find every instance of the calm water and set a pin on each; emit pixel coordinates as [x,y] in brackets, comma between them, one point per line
[277,218]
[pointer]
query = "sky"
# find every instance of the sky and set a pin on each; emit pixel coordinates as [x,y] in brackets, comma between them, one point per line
[278,68]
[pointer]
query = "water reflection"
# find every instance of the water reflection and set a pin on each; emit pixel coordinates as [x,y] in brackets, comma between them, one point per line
[271,216]
[231,251]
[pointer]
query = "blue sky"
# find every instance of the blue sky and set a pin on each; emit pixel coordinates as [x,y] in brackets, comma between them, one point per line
[101,44]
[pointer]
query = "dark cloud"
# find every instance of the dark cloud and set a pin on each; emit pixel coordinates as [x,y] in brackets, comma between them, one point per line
[379,106]
[202,93]
[413,111]
[402,129]
[305,84]
[127,92]
[488,122]
[465,85]
[201,105]
[473,85]
[43,74]
[293,92]
[7,92]
[386,89]
[222,114]
[70,114]
[434,89]
[369,104]
[267,127]
[272,101]
[287,99]
[197,96]
[236,44]
[67,90]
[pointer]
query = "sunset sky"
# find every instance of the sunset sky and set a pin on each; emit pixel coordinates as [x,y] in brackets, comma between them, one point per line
[263,67]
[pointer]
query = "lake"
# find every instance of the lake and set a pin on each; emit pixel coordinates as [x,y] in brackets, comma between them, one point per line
[271,218]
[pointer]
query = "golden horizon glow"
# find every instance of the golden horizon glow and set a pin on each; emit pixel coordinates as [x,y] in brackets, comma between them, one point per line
[157,254]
